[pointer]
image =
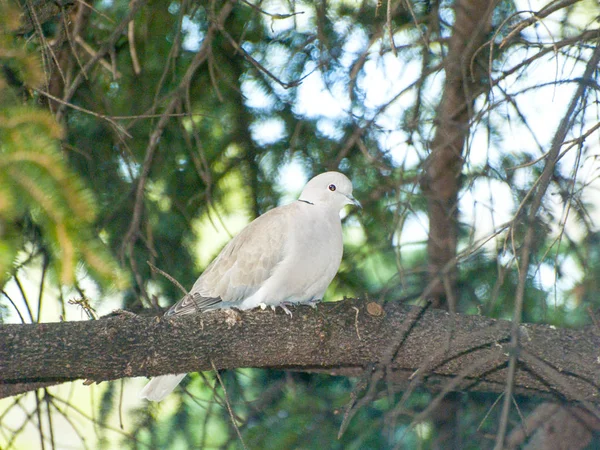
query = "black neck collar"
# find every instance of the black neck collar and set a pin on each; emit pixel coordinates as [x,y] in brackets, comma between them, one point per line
[305,201]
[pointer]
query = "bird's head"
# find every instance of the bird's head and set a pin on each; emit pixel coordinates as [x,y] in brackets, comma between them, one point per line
[329,189]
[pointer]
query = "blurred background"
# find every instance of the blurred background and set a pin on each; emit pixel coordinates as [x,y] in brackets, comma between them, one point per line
[146,131]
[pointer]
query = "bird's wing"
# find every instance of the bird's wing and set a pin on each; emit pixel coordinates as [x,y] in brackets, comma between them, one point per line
[243,265]
[193,303]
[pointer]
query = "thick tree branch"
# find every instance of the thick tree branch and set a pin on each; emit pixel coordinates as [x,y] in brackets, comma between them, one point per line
[337,338]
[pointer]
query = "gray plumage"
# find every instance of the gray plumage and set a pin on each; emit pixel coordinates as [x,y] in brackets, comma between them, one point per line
[288,255]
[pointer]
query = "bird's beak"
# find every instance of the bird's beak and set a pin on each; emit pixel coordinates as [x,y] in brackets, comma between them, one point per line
[353,201]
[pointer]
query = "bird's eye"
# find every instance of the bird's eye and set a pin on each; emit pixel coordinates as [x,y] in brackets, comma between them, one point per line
[332,187]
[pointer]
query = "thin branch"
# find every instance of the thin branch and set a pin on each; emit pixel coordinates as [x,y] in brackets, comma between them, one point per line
[527,248]
[116,33]
[228,403]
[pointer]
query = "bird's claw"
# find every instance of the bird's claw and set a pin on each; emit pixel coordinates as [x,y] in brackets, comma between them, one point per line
[287,311]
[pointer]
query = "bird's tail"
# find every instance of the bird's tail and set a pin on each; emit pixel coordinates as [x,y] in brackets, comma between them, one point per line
[159,387]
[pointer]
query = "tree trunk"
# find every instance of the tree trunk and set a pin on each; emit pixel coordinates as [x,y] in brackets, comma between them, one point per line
[442,180]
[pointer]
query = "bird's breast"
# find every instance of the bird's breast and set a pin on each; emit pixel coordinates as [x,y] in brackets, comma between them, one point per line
[315,236]
[315,251]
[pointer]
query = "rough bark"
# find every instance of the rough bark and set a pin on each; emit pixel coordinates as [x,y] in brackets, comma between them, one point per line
[337,338]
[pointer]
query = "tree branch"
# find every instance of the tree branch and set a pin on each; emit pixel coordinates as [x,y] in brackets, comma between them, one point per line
[324,340]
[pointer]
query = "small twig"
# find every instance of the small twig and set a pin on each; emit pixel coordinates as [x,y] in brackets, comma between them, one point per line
[274,16]
[69,39]
[356,322]
[45,45]
[229,409]
[354,406]
[389,27]
[259,66]
[119,128]
[14,306]
[544,12]
[93,54]
[489,411]
[84,303]
[97,11]
[132,51]
[167,276]
[121,391]
[155,116]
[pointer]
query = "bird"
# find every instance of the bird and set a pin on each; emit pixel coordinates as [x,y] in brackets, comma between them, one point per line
[288,255]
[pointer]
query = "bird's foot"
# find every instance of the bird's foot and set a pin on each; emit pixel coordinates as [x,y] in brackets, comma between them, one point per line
[285,308]
[313,303]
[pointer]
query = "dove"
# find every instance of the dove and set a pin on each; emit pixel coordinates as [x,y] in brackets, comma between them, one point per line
[289,255]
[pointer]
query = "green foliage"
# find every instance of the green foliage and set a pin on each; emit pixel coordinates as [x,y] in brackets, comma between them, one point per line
[36,183]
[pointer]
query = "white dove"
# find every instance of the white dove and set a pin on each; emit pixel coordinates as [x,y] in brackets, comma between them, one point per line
[288,255]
